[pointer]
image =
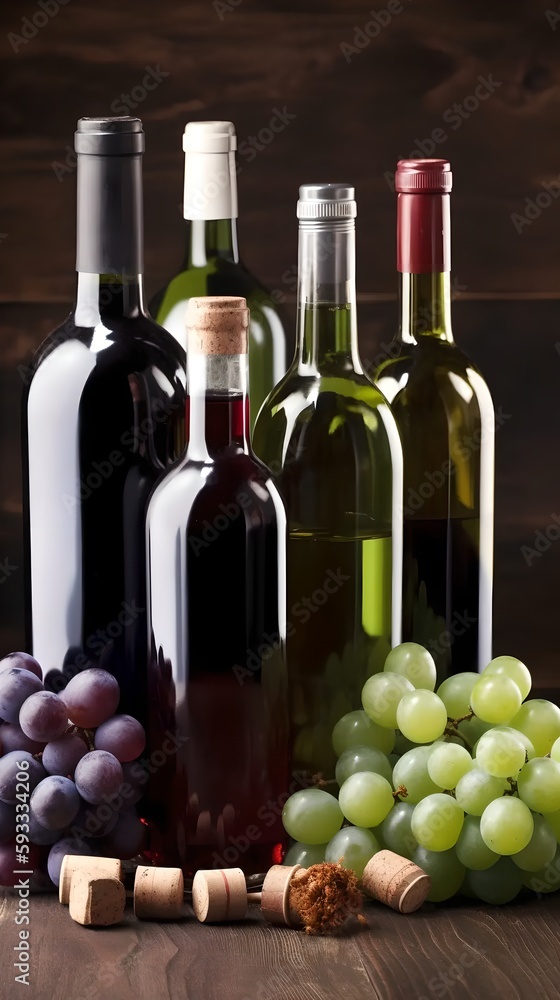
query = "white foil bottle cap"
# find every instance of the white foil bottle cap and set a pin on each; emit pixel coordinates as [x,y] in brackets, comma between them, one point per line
[210,176]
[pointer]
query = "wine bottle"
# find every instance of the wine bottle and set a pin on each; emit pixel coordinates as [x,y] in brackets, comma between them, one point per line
[103,415]
[212,265]
[331,442]
[446,420]
[217,683]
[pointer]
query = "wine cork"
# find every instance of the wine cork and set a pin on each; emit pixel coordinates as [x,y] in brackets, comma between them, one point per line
[96,899]
[72,863]
[395,881]
[275,901]
[219,894]
[217,324]
[158,893]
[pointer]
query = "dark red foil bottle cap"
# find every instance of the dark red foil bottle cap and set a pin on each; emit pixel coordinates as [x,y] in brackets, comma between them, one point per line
[423,177]
[423,230]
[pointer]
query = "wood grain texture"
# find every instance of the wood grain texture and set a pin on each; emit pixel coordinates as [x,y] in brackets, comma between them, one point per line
[354,115]
[459,949]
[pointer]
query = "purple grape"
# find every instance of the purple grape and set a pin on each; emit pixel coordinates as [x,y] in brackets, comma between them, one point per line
[7,822]
[98,775]
[12,737]
[9,863]
[39,834]
[122,736]
[55,681]
[55,802]
[23,661]
[135,779]
[16,686]
[9,769]
[43,717]
[128,837]
[91,697]
[68,845]
[62,755]
[94,821]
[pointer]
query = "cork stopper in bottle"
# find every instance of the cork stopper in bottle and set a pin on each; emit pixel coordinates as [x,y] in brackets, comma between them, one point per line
[395,881]
[219,894]
[80,862]
[217,324]
[158,893]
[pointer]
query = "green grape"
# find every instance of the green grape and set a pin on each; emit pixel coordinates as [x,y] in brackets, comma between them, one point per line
[555,750]
[396,830]
[421,716]
[473,729]
[506,825]
[414,662]
[312,816]
[509,666]
[437,822]
[540,721]
[445,870]
[393,758]
[477,789]
[471,849]
[356,729]
[529,748]
[538,784]
[499,884]
[547,879]
[352,847]
[447,764]
[305,854]
[362,759]
[381,695]
[541,848]
[553,820]
[366,798]
[455,693]
[411,771]
[495,698]
[500,754]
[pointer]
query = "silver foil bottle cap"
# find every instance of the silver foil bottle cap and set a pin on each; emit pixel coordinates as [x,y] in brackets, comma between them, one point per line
[326,201]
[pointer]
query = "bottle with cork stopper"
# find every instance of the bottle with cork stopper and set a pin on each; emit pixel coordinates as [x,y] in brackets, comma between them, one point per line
[217,678]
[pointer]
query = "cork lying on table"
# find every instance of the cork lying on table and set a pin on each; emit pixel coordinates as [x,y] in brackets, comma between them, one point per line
[158,893]
[219,894]
[79,862]
[96,899]
[396,881]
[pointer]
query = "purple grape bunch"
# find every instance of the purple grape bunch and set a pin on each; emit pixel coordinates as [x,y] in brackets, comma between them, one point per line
[74,760]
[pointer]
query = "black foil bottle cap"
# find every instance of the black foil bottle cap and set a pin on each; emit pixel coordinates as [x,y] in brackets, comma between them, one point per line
[109,136]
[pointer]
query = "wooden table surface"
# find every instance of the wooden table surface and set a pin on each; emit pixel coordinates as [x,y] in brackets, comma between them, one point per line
[459,951]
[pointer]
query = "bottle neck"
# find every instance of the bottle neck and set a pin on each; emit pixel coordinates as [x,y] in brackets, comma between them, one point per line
[108,296]
[327,321]
[425,307]
[217,408]
[424,262]
[210,239]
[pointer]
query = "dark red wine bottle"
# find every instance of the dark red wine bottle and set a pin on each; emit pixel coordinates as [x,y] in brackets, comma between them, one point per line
[103,415]
[217,677]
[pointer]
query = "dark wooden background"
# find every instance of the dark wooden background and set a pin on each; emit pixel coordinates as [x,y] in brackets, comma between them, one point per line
[354,116]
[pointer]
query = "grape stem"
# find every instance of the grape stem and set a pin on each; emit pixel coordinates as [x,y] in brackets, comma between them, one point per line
[451,730]
[513,787]
[400,793]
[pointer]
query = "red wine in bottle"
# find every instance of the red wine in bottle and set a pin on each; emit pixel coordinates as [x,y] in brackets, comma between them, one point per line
[103,416]
[217,677]
[446,420]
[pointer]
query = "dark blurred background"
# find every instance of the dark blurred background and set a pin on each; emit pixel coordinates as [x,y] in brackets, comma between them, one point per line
[358,86]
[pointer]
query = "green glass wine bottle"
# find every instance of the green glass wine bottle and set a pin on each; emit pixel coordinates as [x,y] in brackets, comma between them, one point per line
[330,440]
[446,420]
[212,265]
